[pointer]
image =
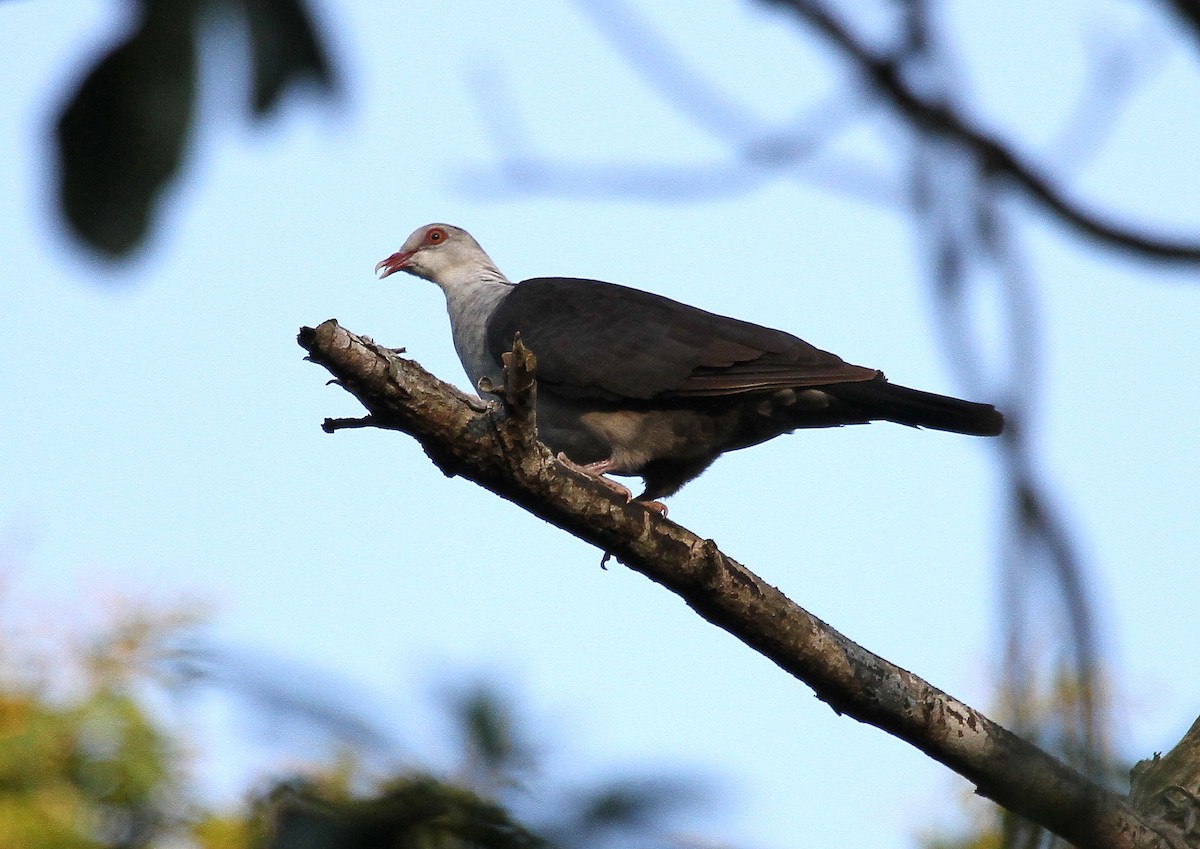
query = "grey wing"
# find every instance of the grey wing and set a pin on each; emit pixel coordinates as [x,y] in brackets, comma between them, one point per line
[601,340]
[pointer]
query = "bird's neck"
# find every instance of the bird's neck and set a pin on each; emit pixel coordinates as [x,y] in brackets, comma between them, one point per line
[471,300]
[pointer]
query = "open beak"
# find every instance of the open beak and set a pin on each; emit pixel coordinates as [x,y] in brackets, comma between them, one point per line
[393,263]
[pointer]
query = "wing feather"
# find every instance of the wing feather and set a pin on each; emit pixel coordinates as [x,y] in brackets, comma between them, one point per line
[601,340]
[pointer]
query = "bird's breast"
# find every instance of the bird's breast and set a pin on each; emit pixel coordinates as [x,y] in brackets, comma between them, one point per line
[470,308]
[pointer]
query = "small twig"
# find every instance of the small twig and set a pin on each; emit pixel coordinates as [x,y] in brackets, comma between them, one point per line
[332,425]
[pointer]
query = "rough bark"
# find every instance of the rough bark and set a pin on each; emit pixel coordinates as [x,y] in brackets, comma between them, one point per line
[494,446]
[1167,787]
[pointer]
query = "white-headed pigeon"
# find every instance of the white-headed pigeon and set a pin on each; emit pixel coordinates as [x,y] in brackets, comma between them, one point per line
[637,384]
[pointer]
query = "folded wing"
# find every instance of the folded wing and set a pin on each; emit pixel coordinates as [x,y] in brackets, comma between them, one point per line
[601,340]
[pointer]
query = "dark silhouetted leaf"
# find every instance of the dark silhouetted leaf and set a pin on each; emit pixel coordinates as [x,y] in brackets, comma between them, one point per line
[420,812]
[122,136]
[626,807]
[1189,10]
[286,50]
[490,734]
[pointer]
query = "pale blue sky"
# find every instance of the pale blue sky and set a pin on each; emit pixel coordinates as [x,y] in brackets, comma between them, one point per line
[162,431]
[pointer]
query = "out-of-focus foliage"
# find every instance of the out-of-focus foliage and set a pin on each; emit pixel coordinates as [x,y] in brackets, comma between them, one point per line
[123,135]
[416,810]
[82,775]
[86,767]
[991,838]
[86,764]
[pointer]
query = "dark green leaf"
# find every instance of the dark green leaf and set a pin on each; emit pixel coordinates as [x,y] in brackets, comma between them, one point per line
[285,49]
[122,136]
[418,811]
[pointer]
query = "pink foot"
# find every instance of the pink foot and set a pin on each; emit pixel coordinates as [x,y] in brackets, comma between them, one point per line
[655,506]
[597,470]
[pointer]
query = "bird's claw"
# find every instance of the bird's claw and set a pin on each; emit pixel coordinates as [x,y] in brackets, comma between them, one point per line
[655,507]
[596,472]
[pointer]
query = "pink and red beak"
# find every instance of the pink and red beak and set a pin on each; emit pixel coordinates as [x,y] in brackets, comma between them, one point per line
[393,263]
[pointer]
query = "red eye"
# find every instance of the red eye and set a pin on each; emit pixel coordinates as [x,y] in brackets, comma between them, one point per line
[435,235]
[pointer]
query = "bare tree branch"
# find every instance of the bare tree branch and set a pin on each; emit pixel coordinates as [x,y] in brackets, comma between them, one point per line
[495,446]
[1167,787]
[771,149]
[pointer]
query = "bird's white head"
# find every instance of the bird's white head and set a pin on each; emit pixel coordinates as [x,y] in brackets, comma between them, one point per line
[441,253]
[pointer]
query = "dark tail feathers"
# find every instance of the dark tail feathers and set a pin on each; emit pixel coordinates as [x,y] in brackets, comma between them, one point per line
[879,399]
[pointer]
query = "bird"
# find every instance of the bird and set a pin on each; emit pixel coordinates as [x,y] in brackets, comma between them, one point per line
[632,383]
